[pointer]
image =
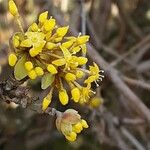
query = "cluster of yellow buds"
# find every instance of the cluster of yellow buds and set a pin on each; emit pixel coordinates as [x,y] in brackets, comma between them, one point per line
[45,51]
[70,124]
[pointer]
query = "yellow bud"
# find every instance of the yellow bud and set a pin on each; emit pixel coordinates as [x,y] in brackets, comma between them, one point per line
[70,77]
[16,41]
[82,39]
[79,74]
[49,24]
[13,8]
[32,74]
[75,92]
[96,102]
[52,69]
[28,66]
[34,27]
[72,137]
[50,45]
[78,127]
[67,44]
[63,97]
[84,123]
[12,59]
[82,60]
[39,71]
[43,17]
[45,103]
[59,62]
[26,43]
[33,52]
[62,31]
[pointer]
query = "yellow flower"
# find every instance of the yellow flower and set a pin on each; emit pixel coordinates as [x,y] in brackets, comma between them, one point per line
[75,92]
[36,39]
[86,92]
[52,69]
[13,8]
[94,74]
[63,97]
[12,59]
[28,66]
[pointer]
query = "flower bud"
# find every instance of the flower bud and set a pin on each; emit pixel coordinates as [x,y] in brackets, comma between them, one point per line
[63,97]
[13,8]
[12,59]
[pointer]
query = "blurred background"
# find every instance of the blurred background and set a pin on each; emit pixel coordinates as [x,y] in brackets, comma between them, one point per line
[120,34]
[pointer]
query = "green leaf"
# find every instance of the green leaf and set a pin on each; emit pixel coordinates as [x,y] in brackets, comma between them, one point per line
[47,80]
[19,70]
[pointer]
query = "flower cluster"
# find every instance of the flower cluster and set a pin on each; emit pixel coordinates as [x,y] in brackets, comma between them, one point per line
[45,51]
[70,124]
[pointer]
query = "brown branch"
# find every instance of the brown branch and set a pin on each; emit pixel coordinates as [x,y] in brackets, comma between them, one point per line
[136,83]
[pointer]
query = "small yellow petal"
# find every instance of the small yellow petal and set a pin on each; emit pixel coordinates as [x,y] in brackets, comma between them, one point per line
[12,59]
[84,123]
[43,17]
[50,45]
[62,31]
[32,74]
[75,92]
[78,127]
[34,27]
[63,97]
[82,39]
[16,41]
[28,66]
[52,69]
[39,71]
[59,62]
[13,8]
[70,77]
[67,44]
[49,24]
[72,137]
